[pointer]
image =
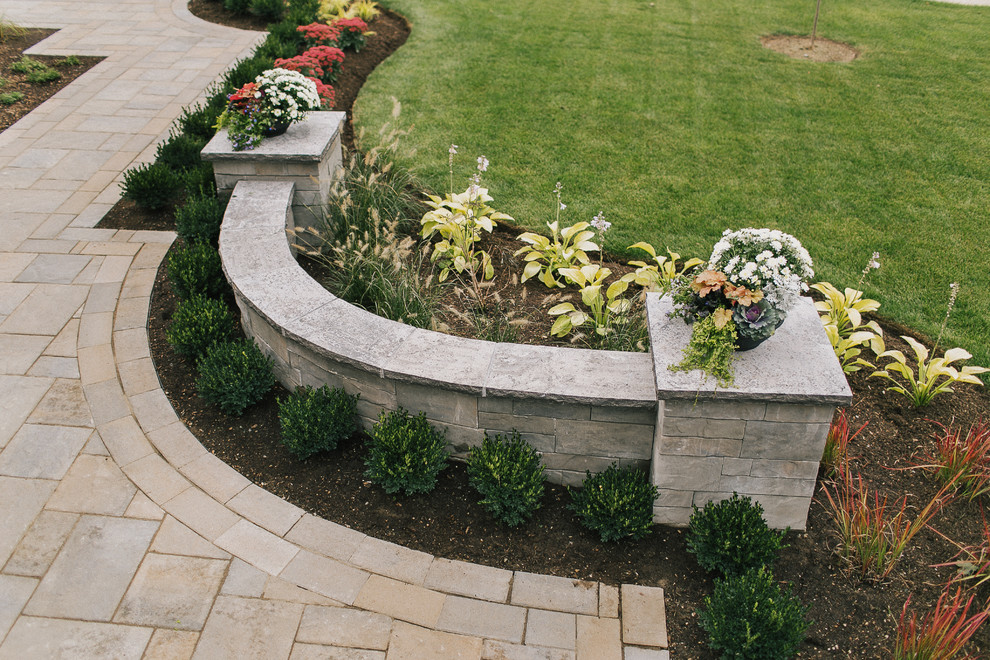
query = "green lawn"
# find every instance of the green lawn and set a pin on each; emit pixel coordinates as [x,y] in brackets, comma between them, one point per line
[678,124]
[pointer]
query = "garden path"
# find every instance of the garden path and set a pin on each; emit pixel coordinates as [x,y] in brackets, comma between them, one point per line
[120,535]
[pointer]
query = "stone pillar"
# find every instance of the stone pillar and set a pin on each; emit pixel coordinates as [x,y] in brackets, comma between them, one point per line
[308,154]
[762,438]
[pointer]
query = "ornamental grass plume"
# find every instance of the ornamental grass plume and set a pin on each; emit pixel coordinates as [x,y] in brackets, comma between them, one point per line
[942,633]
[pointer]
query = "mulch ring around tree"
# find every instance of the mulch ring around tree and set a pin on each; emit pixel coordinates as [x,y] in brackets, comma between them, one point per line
[801,48]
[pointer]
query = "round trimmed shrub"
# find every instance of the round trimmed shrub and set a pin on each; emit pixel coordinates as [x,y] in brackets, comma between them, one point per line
[234,375]
[152,186]
[198,121]
[732,537]
[196,269]
[199,219]
[237,6]
[405,453]
[197,324]
[750,617]
[180,152]
[508,474]
[200,180]
[615,503]
[316,420]
[273,10]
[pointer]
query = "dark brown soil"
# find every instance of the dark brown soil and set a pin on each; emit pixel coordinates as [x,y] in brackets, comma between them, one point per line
[800,48]
[853,618]
[11,50]
[213,11]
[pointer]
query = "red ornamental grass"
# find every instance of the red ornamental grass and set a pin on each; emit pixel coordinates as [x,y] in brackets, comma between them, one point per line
[319,34]
[964,461]
[835,459]
[943,632]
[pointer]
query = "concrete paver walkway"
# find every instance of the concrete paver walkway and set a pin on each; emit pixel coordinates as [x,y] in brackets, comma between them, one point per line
[120,535]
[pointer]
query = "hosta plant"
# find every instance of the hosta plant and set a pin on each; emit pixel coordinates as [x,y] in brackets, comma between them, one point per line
[841,314]
[659,272]
[604,309]
[508,474]
[934,375]
[943,632]
[565,248]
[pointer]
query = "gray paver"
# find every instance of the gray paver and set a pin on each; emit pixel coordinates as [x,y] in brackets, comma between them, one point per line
[171,645]
[480,618]
[555,593]
[243,579]
[337,626]
[249,628]
[42,452]
[170,591]
[21,500]
[94,484]
[174,538]
[65,403]
[91,574]
[41,543]
[18,397]
[19,352]
[557,629]
[14,593]
[59,639]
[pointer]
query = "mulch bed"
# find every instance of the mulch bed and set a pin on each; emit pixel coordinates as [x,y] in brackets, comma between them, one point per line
[853,618]
[11,49]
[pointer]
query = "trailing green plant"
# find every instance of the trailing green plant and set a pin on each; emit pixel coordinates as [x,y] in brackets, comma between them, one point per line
[152,186]
[615,503]
[27,65]
[10,98]
[41,76]
[873,535]
[508,474]
[841,315]
[835,457]
[605,311]
[197,324]
[710,349]
[963,461]
[69,60]
[198,219]
[180,151]
[659,273]
[749,616]
[459,219]
[565,248]
[315,420]
[196,270]
[732,536]
[234,375]
[405,453]
[943,632]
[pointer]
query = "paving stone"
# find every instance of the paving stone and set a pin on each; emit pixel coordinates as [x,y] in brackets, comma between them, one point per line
[95,329]
[172,591]
[131,344]
[215,477]
[639,653]
[46,310]
[42,452]
[557,629]
[102,298]
[125,440]
[55,367]
[466,579]
[54,268]
[21,500]
[171,645]
[324,537]
[279,589]
[94,484]
[39,546]
[64,344]
[174,538]
[95,446]
[325,576]
[93,570]
[547,592]
[392,560]
[138,376]
[19,352]
[265,509]
[11,295]
[469,616]
[644,621]
[201,513]
[496,650]
[338,626]
[257,546]
[176,444]
[19,395]
[411,642]
[159,480]
[107,402]
[153,410]
[608,601]
[248,628]
[96,364]
[64,404]
[14,593]
[12,265]
[316,652]
[598,638]
[142,507]
[401,601]
[59,639]
[243,579]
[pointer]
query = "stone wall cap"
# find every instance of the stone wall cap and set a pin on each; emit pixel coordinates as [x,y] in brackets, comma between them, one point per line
[796,365]
[306,141]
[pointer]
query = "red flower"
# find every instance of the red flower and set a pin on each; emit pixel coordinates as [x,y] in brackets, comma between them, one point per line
[319,34]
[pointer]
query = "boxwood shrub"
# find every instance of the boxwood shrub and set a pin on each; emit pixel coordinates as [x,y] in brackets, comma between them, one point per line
[405,453]
[180,151]
[234,375]
[197,324]
[732,536]
[315,420]
[508,474]
[616,503]
[199,219]
[196,269]
[152,186]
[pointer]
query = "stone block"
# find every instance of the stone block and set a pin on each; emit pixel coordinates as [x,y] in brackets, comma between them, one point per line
[265,509]
[701,427]
[599,638]
[783,512]
[468,616]
[326,577]
[257,546]
[625,414]
[675,516]
[170,591]
[687,472]
[608,601]
[581,463]
[784,441]
[784,469]
[644,620]
[766,486]
[604,439]
[466,579]
[498,422]
[495,404]
[715,409]
[439,404]
[688,446]
[201,513]
[798,412]
[392,560]
[48,638]
[325,538]
[555,629]
[496,650]
[410,642]
[535,407]
[336,626]
[39,546]
[402,601]
[249,628]
[215,477]
[547,592]
[677,498]
[737,467]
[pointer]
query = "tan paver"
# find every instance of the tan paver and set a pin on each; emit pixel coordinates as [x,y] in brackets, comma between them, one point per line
[546,628]
[42,542]
[480,618]
[171,645]
[172,591]
[249,628]
[548,592]
[466,579]
[337,626]
[401,601]
[411,642]
[496,650]
[643,616]
[94,484]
